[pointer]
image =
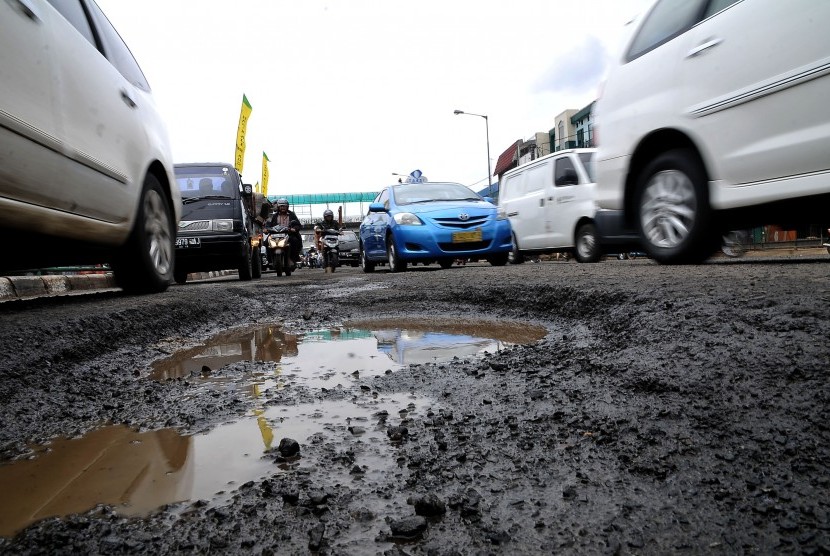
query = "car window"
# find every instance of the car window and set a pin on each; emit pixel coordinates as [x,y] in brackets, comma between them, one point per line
[116,51]
[587,160]
[424,192]
[512,187]
[717,5]
[564,170]
[195,182]
[74,13]
[383,198]
[668,19]
[537,178]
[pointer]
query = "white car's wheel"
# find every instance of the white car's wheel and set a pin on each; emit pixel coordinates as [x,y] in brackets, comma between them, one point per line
[145,265]
[673,212]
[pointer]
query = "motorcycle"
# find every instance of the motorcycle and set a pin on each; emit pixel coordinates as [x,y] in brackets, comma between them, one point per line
[277,250]
[329,240]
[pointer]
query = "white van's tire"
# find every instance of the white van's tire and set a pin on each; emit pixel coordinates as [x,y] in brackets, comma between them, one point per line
[586,244]
[515,256]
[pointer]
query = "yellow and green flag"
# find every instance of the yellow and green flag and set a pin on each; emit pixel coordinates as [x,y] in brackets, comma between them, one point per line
[244,114]
[264,182]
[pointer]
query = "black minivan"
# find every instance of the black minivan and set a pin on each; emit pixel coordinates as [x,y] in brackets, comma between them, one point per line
[216,230]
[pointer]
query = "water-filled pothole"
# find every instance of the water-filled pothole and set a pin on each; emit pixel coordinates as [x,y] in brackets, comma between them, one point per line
[138,472]
[358,349]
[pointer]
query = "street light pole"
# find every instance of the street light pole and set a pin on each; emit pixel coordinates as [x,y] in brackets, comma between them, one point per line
[487,129]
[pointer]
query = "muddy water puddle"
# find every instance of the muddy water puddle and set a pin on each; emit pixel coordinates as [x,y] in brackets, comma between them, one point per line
[137,472]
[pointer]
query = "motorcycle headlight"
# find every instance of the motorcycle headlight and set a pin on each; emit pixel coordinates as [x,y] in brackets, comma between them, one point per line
[408,219]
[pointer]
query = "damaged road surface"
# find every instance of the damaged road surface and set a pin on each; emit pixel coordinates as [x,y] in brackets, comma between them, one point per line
[616,408]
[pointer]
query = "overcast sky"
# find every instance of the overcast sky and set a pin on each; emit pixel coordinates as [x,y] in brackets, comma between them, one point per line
[346,92]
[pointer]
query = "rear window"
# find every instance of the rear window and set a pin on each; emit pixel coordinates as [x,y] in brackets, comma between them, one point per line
[204,181]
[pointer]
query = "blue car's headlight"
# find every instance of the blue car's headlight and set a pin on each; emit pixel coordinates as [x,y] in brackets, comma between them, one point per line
[407,219]
[501,214]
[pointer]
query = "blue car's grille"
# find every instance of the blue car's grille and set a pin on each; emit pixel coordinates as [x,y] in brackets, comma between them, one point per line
[458,224]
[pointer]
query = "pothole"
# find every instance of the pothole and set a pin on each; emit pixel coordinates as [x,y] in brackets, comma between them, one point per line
[137,472]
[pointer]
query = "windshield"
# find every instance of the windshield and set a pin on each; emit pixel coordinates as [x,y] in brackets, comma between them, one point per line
[426,192]
[207,182]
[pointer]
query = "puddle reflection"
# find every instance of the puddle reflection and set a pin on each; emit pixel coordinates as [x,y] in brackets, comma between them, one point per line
[358,349]
[139,472]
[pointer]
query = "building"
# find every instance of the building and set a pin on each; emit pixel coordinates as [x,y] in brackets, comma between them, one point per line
[583,124]
[563,134]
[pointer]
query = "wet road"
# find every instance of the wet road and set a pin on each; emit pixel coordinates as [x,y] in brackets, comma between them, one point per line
[657,409]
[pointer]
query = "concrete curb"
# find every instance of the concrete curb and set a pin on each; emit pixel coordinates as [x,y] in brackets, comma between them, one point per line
[29,287]
[24,287]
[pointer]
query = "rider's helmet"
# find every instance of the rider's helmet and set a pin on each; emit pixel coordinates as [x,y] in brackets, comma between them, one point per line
[282,202]
[328,214]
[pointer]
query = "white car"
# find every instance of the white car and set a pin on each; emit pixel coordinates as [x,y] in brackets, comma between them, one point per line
[715,119]
[86,172]
[550,205]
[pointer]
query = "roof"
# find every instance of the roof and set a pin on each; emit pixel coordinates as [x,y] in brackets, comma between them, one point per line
[507,158]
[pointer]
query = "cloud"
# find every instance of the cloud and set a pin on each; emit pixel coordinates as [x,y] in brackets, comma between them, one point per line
[576,71]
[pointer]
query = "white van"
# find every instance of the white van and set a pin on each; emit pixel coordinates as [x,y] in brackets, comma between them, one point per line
[550,205]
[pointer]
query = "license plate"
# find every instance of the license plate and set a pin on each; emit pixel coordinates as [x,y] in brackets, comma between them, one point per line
[466,237]
[188,242]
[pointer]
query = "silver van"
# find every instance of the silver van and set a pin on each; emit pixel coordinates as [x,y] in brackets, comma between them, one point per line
[550,205]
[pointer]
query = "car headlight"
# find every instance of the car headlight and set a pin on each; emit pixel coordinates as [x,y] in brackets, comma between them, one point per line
[224,225]
[408,219]
[501,214]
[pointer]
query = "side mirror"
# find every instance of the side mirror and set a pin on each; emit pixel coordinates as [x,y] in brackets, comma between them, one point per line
[247,189]
[377,207]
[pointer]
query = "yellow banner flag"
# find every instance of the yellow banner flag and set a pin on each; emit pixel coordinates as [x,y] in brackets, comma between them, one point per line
[244,114]
[256,188]
[265,162]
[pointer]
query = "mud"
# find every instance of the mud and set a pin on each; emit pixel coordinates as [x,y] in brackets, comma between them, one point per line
[666,410]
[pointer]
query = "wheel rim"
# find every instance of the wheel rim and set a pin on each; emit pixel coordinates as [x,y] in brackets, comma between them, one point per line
[158,233]
[668,208]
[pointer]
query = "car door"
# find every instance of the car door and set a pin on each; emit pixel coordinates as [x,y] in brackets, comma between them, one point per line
[101,110]
[566,203]
[373,229]
[32,151]
[755,78]
[527,215]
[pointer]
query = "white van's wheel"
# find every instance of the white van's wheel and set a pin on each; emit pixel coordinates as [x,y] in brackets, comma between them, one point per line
[586,244]
[515,256]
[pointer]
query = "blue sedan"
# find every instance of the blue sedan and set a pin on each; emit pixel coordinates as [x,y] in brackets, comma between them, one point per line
[432,222]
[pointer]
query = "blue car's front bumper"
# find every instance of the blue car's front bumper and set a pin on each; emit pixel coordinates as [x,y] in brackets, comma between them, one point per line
[433,242]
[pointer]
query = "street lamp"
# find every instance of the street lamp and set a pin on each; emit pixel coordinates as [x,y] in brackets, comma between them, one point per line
[487,128]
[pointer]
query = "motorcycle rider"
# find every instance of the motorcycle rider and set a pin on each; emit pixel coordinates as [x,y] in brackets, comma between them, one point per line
[283,216]
[327,223]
